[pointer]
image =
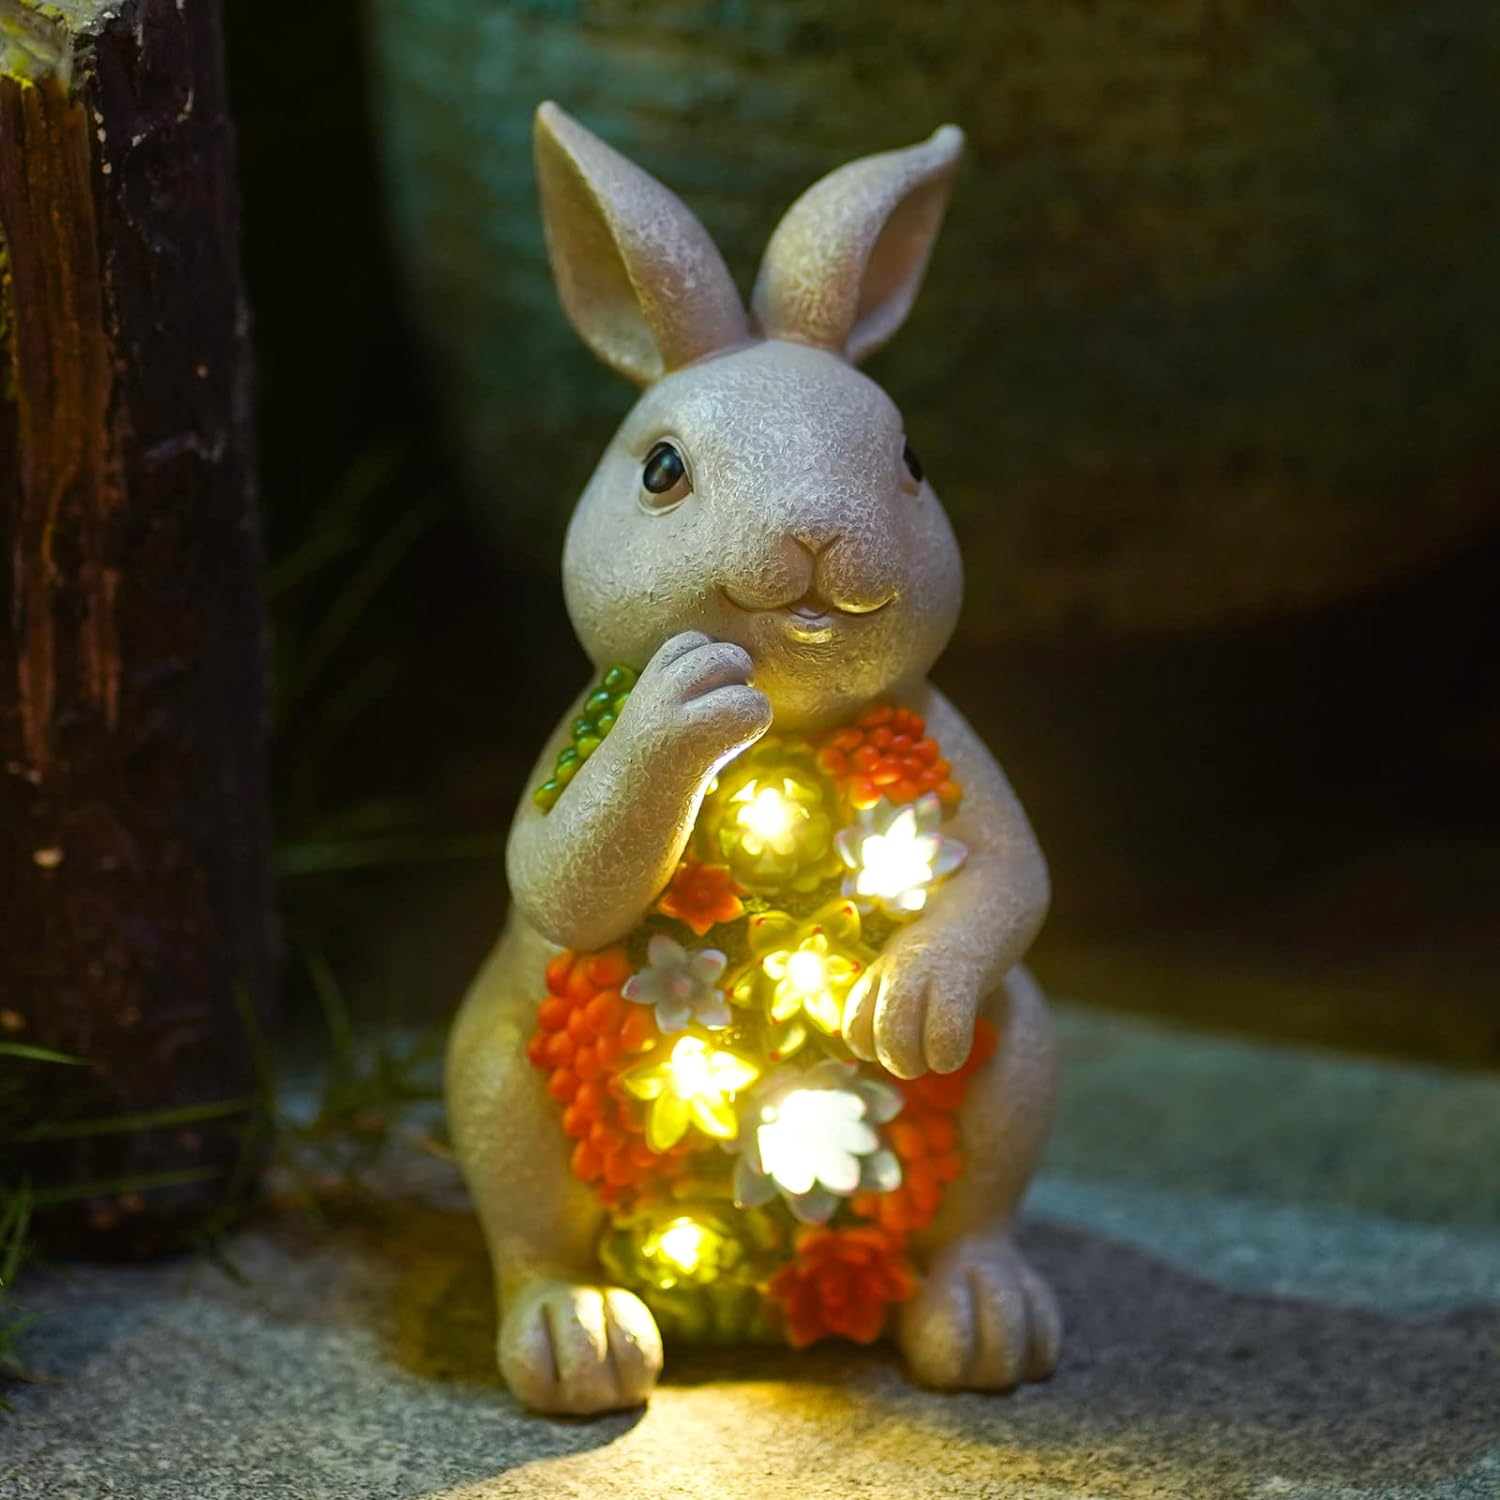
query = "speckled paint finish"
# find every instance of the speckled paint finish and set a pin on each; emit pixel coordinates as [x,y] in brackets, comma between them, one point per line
[799,497]
[1211,332]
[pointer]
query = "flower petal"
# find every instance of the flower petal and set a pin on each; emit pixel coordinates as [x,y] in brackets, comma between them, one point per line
[667,1122]
[880,1173]
[662,952]
[707,964]
[769,931]
[838,1171]
[854,1137]
[823,1010]
[883,1101]
[815,1207]
[731,1073]
[645,1082]
[716,1118]
[714,1012]
[751,1188]
[673,1013]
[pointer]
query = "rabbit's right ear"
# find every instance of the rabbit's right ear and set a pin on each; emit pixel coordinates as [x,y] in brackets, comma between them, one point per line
[845,262]
[638,275]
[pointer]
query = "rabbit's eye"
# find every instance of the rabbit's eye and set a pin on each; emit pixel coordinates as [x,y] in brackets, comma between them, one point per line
[913,466]
[664,476]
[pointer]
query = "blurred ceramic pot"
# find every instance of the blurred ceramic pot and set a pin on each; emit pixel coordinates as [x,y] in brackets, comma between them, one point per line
[1211,331]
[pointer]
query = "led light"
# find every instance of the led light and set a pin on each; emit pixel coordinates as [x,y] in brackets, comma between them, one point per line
[771,825]
[769,814]
[815,1136]
[694,1085]
[680,1247]
[896,866]
[681,1244]
[898,856]
[806,968]
[807,972]
[689,1069]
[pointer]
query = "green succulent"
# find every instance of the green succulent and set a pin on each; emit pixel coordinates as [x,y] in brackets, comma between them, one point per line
[595,720]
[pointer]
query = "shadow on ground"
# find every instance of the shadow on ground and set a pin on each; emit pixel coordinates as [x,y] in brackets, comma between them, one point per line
[1167,1379]
[353,1357]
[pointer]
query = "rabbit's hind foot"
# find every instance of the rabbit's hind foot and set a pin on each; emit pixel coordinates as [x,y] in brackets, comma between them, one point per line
[573,1349]
[983,1320]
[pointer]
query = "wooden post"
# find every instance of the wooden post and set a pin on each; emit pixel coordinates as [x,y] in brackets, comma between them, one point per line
[135,908]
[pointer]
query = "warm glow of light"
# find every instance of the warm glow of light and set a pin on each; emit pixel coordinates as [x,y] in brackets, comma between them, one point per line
[807,972]
[689,1069]
[812,979]
[768,813]
[699,1071]
[815,1136]
[694,1085]
[681,1244]
[897,866]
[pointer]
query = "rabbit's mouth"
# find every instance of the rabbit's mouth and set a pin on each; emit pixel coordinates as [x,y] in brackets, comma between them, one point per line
[810,620]
[812,616]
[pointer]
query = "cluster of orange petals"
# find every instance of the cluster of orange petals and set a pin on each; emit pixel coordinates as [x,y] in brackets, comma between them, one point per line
[887,753]
[702,896]
[842,1283]
[587,1033]
[925,1138]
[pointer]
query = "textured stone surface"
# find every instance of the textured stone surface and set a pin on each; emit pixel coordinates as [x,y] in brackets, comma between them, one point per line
[1226,1340]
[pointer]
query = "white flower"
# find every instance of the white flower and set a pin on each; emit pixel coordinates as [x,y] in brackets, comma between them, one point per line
[681,984]
[895,855]
[809,1134]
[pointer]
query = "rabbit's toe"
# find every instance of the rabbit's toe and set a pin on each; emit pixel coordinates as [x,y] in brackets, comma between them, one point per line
[578,1349]
[982,1320]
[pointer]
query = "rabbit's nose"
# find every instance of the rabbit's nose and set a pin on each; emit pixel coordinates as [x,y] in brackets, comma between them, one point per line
[815,539]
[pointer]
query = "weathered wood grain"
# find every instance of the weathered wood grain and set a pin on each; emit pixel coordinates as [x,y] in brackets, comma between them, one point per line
[135,907]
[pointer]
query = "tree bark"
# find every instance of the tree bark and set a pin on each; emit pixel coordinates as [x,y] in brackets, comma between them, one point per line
[136,926]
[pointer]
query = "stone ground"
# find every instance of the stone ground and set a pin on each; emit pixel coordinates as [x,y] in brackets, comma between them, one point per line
[1281,1271]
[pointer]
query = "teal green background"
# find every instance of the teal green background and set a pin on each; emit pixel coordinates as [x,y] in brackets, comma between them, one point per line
[1211,332]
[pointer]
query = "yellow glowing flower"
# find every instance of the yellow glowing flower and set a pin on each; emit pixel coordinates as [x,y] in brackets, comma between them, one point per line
[687,1250]
[769,819]
[694,1084]
[812,979]
[685,1246]
[803,968]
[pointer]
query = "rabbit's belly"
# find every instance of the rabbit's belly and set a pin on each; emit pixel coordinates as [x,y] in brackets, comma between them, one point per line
[759,1180]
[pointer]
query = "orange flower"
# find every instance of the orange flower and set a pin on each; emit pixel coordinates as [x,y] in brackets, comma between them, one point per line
[924,1137]
[842,1283]
[888,753]
[702,896]
[586,1035]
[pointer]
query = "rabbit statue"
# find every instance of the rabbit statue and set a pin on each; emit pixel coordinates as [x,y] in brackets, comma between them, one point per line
[755,1056]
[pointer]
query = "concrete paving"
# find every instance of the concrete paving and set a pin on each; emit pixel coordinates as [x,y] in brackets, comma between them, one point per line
[1280,1269]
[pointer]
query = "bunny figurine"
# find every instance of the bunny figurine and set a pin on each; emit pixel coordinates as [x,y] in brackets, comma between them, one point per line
[755,1056]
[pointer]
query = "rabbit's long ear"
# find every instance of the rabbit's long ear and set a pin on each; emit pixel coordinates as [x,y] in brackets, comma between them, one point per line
[638,275]
[843,267]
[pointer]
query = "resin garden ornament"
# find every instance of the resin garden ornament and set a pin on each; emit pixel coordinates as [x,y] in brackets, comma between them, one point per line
[755,1057]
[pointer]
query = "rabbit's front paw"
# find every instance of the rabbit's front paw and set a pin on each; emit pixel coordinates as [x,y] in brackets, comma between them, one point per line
[578,1349]
[696,691]
[914,1009]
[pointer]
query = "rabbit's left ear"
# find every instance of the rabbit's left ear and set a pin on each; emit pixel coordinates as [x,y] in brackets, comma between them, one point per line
[844,265]
[638,275]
